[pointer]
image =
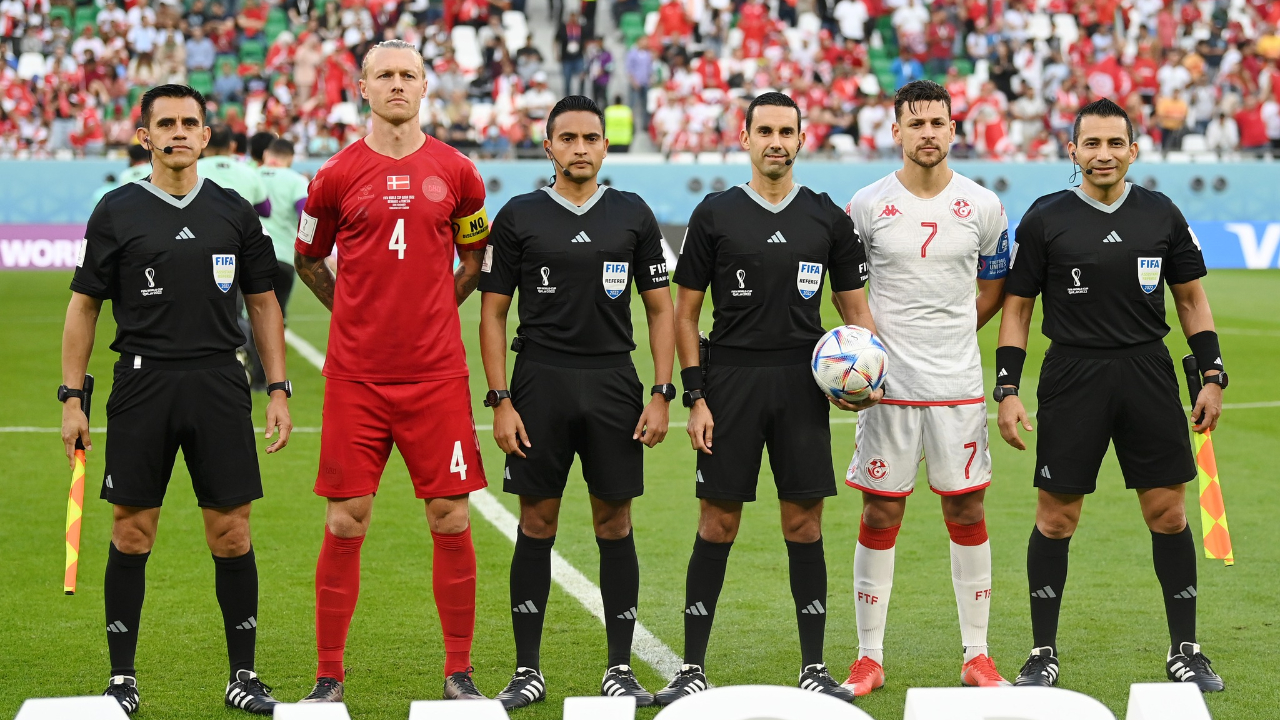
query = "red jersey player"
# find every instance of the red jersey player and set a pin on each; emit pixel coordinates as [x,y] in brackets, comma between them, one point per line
[396,204]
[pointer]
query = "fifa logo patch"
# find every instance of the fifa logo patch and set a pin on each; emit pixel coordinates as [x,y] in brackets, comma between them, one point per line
[809,279]
[1149,273]
[224,271]
[615,279]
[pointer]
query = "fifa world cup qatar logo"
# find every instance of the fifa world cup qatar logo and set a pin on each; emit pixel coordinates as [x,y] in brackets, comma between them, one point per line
[546,276]
[742,278]
[151,277]
[1075,275]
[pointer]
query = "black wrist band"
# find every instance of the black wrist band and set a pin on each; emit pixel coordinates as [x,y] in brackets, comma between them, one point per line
[1205,347]
[1009,360]
[691,378]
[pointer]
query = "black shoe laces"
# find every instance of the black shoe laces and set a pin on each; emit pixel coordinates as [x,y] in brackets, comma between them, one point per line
[823,677]
[255,686]
[1200,663]
[1035,665]
[464,682]
[121,690]
[627,680]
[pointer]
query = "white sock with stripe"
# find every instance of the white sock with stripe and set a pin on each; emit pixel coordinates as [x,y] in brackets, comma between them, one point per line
[971,578]
[872,583]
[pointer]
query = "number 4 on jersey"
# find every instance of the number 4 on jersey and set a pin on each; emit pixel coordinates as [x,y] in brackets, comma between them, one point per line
[397,243]
[457,464]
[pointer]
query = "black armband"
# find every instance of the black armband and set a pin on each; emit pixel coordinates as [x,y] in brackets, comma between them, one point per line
[1009,360]
[691,378]
[1205,347]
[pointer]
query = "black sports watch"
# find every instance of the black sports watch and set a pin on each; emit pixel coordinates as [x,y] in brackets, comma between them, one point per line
[284,385]
[1219,379]
[693,396]
[493,397]
[1001,392]
[667,391]
[65,393]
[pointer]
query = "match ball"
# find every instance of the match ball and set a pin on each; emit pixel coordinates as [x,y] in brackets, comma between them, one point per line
[849,363]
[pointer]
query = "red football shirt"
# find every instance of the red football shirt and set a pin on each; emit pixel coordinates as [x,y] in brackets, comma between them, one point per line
[395,317]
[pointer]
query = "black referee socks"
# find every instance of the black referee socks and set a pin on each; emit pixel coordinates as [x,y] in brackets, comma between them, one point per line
[620,591]
[123,588]
[236,583]
[1175,559]
[702,588]
[808,570]
[1047,577]
[530,586]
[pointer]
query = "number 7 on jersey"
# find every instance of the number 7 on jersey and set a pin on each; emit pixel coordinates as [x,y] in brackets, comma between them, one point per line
[932,227]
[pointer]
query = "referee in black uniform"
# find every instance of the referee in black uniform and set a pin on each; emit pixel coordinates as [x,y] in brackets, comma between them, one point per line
[764,248]
[574,250]
[1101,254]
[169,252]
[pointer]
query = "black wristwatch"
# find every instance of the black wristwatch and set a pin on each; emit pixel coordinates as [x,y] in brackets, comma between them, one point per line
[493,397]
[693,396]
[667,391]
[65,393]
[1001,392]
[1219,379]
[284,385]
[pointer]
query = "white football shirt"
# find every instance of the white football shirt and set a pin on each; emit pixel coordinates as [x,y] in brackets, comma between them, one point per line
[924,256]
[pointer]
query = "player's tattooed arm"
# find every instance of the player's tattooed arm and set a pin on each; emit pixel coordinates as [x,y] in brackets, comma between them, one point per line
[316,275]
[466,277]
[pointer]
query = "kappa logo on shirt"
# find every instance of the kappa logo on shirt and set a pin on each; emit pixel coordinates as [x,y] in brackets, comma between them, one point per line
[890,211]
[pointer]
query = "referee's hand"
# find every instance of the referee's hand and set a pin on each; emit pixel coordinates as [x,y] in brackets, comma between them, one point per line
[75,426]
[652,428]
[1010,415]
[278,419]
[700,426]
[875,397]
[508,429]
[1208,408]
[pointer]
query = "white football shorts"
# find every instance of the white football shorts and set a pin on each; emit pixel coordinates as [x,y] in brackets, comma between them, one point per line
[891,441]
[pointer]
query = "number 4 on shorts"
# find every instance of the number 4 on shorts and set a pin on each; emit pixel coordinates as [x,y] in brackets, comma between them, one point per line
[457,464]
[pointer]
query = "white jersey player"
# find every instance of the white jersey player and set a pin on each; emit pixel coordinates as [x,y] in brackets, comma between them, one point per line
[928,232]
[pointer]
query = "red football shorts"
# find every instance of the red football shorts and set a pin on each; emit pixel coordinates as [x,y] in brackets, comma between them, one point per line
[429,422]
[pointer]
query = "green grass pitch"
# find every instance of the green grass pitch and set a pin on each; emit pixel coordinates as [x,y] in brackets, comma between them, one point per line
[1113,630]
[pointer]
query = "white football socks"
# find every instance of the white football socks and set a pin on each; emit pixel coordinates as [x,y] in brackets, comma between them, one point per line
[872,584]
[971,578]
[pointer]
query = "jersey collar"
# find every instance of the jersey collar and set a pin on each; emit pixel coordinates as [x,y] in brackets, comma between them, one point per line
[590,203]
[180,204]
[782,204]
[1105,208]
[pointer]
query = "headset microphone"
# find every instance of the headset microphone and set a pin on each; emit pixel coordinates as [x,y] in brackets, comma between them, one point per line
[167,149]
[1087,171]
[563,170]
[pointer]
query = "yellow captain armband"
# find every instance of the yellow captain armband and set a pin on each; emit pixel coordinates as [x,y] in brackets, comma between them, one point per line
[471,229]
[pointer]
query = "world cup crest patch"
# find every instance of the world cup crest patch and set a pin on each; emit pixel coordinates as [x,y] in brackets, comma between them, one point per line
[615,278]
[1149,273]
[809,279]
[224,271]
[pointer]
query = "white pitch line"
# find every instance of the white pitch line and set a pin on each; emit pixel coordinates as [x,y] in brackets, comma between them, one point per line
[647,646]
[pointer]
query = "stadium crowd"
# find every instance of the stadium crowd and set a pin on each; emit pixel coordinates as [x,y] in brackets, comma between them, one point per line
[1199,77]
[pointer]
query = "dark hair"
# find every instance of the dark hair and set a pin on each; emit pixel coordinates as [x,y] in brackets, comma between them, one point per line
[220,137]
[138,155]
[573,103]
[919,91]
[1101,108]
[280,146]
[259,143]
[170,91]
[774,99]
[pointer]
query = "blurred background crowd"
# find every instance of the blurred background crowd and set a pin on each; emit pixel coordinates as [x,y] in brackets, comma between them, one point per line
[1199,77]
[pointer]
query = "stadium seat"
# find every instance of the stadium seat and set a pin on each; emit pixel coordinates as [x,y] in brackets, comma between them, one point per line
[253,51]
[1177,157]
[809,23]
[466,48]
[648,6]
[30,65]
[631,25]
[61,11]
[1194,143]
[599,708]
[227,106]
[277,22]
[1040,27]
[1066,29]
[1145,145]
[843,144]
[963,66]
[201,81]
[709,158]
[85,16]
[734,39]
[516,30]
[135,94]
[650,23]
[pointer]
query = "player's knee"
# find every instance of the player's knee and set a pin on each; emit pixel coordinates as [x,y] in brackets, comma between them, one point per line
[230,540]
[718,528]
[1056,526]
[614,527]
[802,529]
[962,509]
[535,526]
[131,540]
[449,521]
[1167,520]
[883,513]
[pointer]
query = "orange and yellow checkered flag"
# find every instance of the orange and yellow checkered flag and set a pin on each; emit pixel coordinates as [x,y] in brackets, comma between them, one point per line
[1213,511]
[75,502]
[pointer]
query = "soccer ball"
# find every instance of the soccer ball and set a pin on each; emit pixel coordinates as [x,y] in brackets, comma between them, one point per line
[849,363]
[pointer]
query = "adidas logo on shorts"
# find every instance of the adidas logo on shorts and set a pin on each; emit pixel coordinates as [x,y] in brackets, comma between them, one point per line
[1044,473]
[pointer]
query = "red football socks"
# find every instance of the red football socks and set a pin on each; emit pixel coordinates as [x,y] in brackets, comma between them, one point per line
[453,575]
[337,589]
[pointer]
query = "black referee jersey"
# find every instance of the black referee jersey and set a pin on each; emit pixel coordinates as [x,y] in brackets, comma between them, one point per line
[574,267]
[170,265]
[766,264]
[1102,269]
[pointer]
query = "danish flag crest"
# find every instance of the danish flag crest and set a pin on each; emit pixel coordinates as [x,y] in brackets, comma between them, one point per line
[890,211]
[397,182]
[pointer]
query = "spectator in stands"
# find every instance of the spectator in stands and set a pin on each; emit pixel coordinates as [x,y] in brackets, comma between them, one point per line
[1028,113]
[909,20]
[1173,76]
[599,63]
[1222,135]
[171,62]
[639,67]
[140,12]
[619,125]
[537,101]
[906,67]
[570,38]
[305,63]
[142,37]
[227,86]
[60,63]
[200,51]
[87,42]
[142,70]
[252,19]
[852,17]
[1270,112]
[674,24]
[1171,117]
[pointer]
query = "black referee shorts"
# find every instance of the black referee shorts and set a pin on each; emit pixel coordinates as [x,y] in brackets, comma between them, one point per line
[1090,398]
[591,412]
[206,411]
[756,407]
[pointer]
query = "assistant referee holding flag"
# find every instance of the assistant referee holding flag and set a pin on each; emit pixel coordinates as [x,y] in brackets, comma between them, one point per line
[574,250]
[168,252]
[764,248]
[1101,255]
